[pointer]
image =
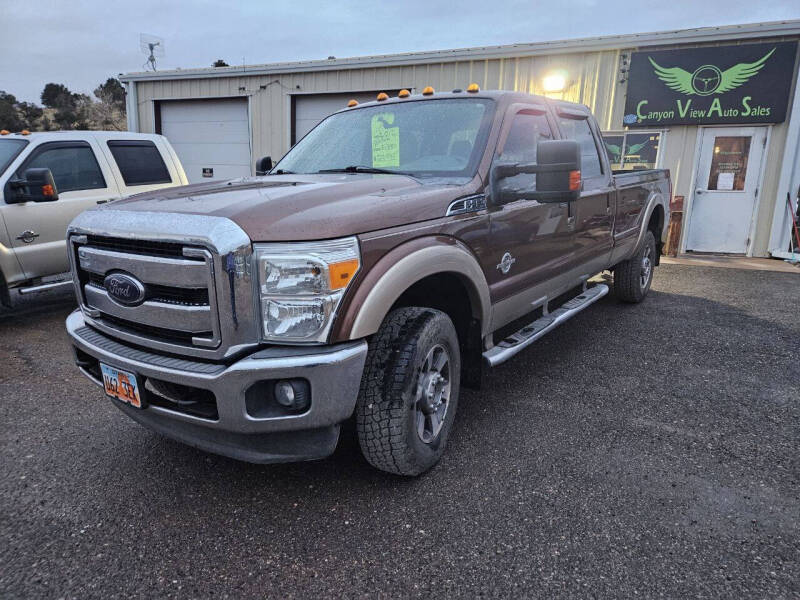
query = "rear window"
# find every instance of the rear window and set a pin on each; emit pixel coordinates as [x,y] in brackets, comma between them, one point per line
[139,161]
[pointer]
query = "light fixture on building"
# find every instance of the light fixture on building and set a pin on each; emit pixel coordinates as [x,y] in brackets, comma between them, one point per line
[555,81]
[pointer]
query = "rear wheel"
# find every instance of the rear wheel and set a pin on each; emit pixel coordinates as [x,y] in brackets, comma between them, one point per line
[633,277]
[409,391]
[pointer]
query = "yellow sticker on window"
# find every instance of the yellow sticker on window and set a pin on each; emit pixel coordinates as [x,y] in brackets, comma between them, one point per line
[385,141]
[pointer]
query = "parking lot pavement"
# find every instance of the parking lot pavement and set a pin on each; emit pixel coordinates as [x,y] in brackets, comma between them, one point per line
[649,449]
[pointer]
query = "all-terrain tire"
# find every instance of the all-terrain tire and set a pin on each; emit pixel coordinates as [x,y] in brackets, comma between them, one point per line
[387,416]
[633,277]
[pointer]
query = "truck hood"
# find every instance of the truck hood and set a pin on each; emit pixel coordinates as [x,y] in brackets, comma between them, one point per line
[304,207]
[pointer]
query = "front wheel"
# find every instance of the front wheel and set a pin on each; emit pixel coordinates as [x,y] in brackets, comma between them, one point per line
[409,391]
[633,277]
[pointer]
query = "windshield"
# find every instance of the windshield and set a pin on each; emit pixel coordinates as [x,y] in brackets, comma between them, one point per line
[9,149]
[429,138]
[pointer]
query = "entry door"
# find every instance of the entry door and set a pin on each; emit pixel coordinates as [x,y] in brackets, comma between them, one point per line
[726,189]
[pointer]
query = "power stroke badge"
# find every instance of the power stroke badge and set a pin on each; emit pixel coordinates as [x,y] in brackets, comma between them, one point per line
[747,83]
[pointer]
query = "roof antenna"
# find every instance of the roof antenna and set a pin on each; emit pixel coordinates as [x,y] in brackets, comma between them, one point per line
[151,46]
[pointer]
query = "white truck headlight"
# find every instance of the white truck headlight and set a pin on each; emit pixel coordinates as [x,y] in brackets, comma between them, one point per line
[301,284]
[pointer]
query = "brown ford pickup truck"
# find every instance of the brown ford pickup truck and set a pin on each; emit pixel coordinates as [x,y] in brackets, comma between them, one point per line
[396,251]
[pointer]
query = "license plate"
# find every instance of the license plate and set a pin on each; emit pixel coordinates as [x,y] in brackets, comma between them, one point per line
[121,385]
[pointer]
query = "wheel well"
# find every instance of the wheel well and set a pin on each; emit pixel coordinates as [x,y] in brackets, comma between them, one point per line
[5,297]
[448,293]
[656,225]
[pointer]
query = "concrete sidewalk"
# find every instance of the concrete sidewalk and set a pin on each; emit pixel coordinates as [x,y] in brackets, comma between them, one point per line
[732,262]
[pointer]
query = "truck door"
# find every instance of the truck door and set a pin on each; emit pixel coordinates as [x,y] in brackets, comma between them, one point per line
[593,212]
[530,241]
[38,229]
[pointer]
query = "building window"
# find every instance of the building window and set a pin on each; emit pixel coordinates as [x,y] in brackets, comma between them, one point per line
[632,150]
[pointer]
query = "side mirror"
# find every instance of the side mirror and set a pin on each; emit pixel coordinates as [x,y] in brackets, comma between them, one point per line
[37,186]
[558,174]
[264,165]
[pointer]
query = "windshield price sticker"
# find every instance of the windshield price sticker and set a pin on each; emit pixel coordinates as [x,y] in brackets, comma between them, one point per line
[385,141]
[748,83]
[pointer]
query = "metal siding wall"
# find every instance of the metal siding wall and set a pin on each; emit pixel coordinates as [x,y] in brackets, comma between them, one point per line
[769,193]
[678,152]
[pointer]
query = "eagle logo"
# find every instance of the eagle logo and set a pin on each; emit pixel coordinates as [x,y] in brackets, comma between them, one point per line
[708,79]
[616,152]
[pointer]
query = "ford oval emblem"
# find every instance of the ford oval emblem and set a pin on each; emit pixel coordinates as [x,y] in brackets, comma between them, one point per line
[124,289]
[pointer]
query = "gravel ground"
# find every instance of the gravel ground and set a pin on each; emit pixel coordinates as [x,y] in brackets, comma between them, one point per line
[649,449]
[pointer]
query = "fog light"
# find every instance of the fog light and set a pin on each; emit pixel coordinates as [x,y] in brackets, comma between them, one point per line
[292,394]
[284,393]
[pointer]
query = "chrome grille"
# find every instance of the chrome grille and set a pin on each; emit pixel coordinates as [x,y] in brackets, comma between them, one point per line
[200,300]
[179,307]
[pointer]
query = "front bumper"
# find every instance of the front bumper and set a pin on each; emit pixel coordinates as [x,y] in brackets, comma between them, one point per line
[333,372]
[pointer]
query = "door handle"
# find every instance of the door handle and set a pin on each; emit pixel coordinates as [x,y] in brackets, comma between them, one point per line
[699,191]
[27,236]
[102,201]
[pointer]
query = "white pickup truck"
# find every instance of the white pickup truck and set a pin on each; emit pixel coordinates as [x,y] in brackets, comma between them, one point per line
[47,179]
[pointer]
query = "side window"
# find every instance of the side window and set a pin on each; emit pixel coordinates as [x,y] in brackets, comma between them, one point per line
[527,129]
[74,167]
[139,161]
[579,130]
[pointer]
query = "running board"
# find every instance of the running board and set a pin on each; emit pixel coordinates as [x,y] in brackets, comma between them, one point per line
[46,286]
[523,338]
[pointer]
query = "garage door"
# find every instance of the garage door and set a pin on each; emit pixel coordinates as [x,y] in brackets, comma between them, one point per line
[310,110]
[211,137]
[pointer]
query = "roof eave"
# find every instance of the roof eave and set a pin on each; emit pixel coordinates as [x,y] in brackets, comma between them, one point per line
[594,44]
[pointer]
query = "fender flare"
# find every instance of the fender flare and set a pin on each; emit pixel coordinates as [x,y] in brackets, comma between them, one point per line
[656,199]
[404,266]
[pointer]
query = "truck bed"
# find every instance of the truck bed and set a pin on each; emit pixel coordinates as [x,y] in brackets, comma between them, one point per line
[625,179]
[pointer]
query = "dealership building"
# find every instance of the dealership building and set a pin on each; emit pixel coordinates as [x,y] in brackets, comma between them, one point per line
[717,106]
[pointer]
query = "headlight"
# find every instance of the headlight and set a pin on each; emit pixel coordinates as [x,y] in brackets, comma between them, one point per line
[301,286]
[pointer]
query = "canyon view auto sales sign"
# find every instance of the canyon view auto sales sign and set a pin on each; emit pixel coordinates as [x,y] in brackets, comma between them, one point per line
[747,83]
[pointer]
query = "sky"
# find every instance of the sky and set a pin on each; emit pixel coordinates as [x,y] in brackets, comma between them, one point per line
[82,43]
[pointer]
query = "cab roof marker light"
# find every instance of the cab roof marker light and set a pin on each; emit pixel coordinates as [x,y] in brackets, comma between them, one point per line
[403,94]
[473,88]
[383,96]
[352,103]
[428,91]
[25,132]
[4,132]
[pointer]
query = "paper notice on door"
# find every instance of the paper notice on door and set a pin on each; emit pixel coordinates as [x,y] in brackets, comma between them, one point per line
[385,141]
[725,181]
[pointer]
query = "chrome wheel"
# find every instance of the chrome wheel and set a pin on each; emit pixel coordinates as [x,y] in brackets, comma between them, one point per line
[433,394]
[647,267]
